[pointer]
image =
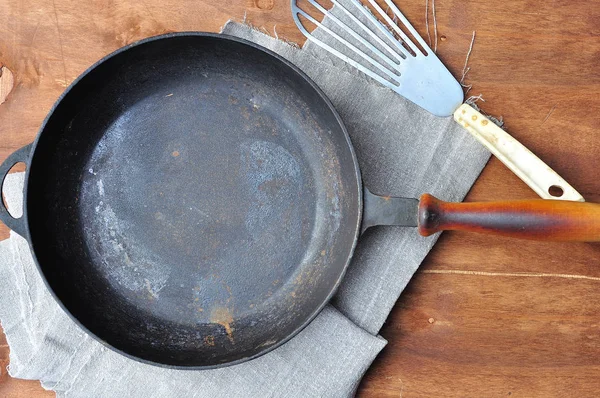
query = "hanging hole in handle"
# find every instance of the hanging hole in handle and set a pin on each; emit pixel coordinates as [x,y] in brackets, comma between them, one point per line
[15,207]
[556,191]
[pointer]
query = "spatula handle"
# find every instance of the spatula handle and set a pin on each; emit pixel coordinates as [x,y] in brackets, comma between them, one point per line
[528,167]
[551,220]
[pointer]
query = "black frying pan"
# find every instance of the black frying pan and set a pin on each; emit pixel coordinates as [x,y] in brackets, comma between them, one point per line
[193,200]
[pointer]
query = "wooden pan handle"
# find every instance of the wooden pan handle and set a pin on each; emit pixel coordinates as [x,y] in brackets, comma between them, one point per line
[538,219]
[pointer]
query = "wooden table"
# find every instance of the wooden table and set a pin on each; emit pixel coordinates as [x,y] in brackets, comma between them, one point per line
[483,316]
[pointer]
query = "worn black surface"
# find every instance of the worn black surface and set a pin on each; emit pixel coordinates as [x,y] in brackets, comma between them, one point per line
[388,210]
[193,200]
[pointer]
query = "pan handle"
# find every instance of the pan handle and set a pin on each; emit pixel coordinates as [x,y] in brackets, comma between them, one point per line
[16,224]
[520,160]
[550,220]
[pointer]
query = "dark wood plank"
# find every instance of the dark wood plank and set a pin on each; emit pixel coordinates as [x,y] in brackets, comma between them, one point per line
[484,316]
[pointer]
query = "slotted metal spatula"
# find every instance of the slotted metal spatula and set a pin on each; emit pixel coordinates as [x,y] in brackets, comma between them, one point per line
[365,36]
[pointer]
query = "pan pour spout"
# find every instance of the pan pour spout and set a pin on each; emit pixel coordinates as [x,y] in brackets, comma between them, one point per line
[547,220]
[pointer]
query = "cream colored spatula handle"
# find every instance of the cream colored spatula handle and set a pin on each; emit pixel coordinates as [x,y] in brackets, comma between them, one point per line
[528,167]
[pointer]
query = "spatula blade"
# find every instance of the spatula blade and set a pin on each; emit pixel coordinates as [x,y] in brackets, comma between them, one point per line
[384,52]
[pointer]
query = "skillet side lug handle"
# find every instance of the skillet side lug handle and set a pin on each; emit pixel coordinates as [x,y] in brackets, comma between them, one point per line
[16,224]
[548,220]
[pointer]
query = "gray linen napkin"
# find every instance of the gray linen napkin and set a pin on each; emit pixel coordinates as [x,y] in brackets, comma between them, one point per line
[402,151]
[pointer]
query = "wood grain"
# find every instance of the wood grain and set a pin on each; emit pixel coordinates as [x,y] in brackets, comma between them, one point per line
[484,316]
[7,83]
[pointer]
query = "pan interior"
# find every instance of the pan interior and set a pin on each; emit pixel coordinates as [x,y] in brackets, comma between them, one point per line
[193,201]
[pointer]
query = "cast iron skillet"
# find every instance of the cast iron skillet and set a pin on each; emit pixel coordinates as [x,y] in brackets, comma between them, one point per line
[193,200]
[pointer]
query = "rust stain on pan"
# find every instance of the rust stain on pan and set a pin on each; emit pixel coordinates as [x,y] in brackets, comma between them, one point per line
[209,340]
[223,316]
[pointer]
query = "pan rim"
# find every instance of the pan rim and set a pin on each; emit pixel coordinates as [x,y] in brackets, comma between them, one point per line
[304,77]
